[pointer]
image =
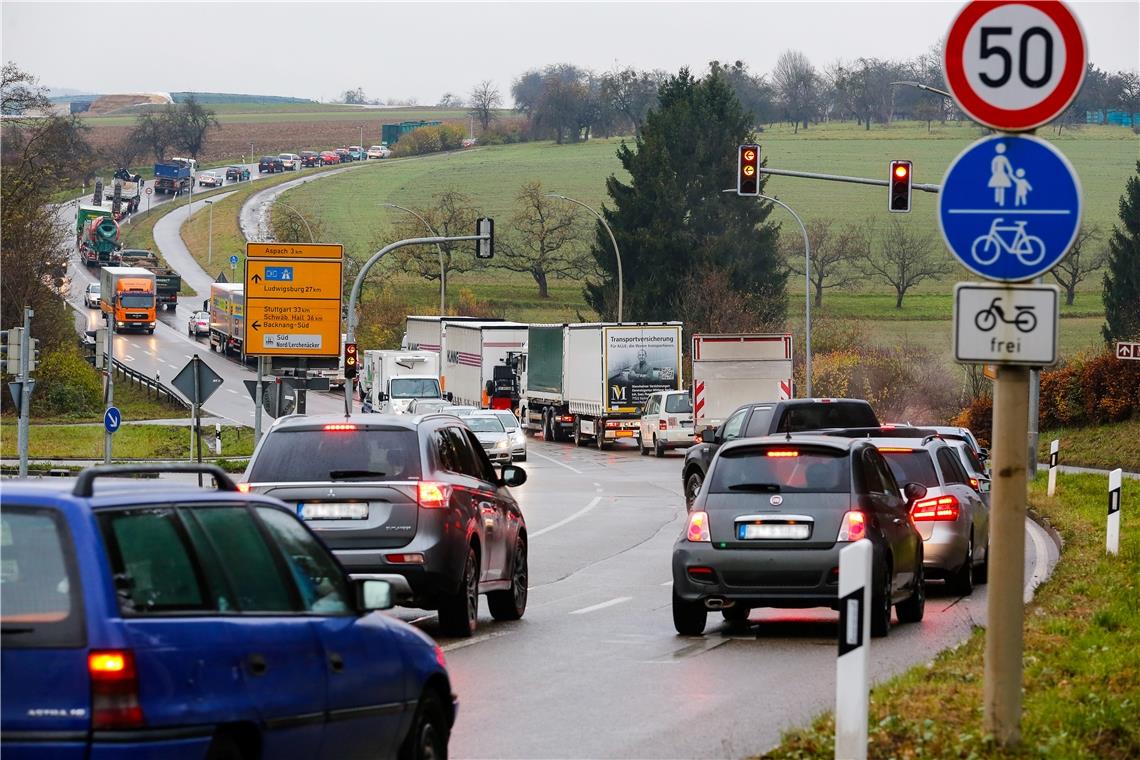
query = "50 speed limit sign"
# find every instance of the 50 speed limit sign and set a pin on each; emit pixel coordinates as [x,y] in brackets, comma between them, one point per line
[1014,65]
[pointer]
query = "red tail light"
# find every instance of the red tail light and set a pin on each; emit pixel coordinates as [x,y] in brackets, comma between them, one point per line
[338,426]
[662,425]
[439,656]
[612,424]
[698,531]
[776,453]
[853,527]
[114,689]
[701,574]
[940,508]
[976,484]
[433,495]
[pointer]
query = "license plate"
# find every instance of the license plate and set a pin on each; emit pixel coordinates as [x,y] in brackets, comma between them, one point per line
[624,434]
[772,531]
[686,423]
[327,510]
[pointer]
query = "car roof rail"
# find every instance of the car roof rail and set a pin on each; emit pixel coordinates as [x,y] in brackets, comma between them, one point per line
[85,483]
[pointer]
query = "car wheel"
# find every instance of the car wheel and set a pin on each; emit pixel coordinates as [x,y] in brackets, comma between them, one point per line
[912,610]
[881,605]
[511,604]
[689,618]
[693,485]
[962,581]
[658,448]
[427,739]
[522,457]
[737,613]
[459,612]
[641,446]
[982,571]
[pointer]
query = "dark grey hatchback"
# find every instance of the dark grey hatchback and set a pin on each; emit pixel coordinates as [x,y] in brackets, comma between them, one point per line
[410,499]
[767,527]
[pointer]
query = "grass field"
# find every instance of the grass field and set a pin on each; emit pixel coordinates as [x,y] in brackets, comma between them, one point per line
[130,442]
[1104,447]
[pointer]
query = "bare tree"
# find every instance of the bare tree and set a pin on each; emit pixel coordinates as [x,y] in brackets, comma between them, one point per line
[797,85]
[300,226]
[485,98]
[354,96]
[905,257]
[449,100]
[833,255]
[451,214]
[632,93]
[153,130]
[1079,263]
[547,239]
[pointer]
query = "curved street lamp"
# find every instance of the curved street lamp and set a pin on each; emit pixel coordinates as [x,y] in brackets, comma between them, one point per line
[617,253]
[439,248]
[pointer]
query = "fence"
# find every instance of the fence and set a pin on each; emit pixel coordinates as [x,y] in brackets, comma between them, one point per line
[161,392]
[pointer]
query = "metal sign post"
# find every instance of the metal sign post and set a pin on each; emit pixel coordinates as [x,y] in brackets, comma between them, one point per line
[26,391]
[109,388]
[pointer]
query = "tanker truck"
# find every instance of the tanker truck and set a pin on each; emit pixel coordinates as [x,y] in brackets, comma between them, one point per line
[97,236]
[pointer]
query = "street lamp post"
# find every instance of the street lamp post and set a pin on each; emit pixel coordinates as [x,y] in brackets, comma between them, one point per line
[300,216]
[439,248]
[210,234]
[807,291]
[617,253]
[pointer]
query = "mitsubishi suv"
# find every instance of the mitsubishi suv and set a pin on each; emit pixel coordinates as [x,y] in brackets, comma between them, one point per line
[410,499]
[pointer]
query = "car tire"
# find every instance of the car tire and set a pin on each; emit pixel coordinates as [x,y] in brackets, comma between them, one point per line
[658,448]
[737,614]
[693,483]
[641,446]
[689,618]
[881,605]
[223,746]
[913,609]
[459,611]
[962,581]
[511,603]
[521,458]
[982,571]
[427,738]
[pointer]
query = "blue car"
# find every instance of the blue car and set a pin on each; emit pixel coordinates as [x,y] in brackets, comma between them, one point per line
[151,620]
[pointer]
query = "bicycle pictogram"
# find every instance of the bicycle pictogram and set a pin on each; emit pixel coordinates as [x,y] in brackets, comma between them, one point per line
[1029,249]
[1024,319]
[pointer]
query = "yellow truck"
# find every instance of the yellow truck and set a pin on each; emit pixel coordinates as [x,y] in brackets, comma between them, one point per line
[127,294]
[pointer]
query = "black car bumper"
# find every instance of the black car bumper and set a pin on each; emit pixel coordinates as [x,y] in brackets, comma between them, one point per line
[792,578]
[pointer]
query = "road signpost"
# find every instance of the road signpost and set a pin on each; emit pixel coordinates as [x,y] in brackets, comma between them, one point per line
[197,382]
[1006,324]
[1015,65]
[112,419]
[1128,351]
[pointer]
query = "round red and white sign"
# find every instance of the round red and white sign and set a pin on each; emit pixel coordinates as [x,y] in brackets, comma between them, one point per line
[1014,65]
[149,190]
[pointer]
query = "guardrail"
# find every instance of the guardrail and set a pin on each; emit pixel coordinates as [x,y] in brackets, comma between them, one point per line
[161,392]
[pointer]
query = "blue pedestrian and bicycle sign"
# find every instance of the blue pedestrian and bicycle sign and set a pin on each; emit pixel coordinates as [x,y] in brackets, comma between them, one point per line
[112,419]
[1010,207]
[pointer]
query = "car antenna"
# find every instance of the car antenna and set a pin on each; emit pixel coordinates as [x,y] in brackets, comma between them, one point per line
[788,433]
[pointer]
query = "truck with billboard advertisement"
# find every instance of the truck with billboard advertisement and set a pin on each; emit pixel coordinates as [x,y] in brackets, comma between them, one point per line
[588,382]
[126,294]
[731,370]
[227,317]
[474,354]
[390,380]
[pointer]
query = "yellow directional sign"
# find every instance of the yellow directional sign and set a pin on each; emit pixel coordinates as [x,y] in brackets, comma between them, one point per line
[292,299]
[294,251]
[292,279]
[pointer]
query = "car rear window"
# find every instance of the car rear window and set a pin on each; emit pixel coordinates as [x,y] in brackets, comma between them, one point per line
[678,403]
[820,416]
[299,455]
[41,603]
[786,469]
[911,466]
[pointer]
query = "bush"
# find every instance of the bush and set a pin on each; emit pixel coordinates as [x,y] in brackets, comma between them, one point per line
[504,133]
[66,385]
[469,305]
[979,418]
[430,140]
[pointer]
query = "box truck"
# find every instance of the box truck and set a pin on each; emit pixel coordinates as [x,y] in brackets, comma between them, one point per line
[473,352]
[730,370]
[390,380]
[127,294]
[588,382]
[227,317]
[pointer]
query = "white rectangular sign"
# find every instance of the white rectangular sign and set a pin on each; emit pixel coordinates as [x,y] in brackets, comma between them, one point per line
[1128,351]
[1005,324]
[305,341]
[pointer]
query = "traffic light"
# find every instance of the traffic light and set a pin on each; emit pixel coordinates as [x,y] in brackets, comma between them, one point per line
[351,363]
[10,350]
[899,201]
[33,354]
[485,249]
[748,174]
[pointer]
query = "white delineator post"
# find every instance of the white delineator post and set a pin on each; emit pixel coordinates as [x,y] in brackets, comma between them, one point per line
[852,695]
[1112,543]
[1054,457]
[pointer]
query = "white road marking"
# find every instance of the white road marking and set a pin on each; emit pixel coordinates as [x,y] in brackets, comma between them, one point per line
[474,640]
[602,606]
[231,390]
[172,366]
[128,357]
[593,503]
[555,461]
[1040,559]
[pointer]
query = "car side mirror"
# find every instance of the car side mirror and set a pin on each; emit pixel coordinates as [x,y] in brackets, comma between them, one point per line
[913,492]
[449,396]
[712,435]
[372,594]
[983,485]
[382,396]
[512,476]
[983,454]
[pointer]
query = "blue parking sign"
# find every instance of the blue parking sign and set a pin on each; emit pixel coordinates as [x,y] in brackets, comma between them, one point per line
[1010,207]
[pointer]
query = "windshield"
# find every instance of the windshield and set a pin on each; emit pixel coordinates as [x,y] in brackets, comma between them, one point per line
[322,455]
[93,287]
[136,301]
[911,467]
[484,424]
[415,387]
[823,415]
[508,420]
[678,403]
[792,469]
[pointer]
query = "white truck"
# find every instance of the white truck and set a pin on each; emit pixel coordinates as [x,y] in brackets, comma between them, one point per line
[590,381]
[730,370]
[390,380]
[474,355]
[426,333]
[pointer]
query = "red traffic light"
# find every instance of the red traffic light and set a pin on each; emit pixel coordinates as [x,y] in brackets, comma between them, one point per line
[901,170]
[899,181]
[748,170]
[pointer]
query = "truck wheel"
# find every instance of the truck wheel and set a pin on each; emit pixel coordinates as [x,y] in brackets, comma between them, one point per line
[600,435]
[150,331]
[577,435]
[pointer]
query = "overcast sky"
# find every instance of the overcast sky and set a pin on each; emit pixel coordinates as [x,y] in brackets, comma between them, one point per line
[421,50]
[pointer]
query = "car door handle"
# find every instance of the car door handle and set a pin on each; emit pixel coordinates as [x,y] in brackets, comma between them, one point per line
[257,665]
[336,662]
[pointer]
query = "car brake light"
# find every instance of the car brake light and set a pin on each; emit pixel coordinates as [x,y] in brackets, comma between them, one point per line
[405,559]
[114,689]
[895,450]
[701,574]
[243,487]
[977,484]
[782,453]
[433,495]
[439,656]
[853,527]
[339,426]
[698,527]
[662,425]
[940,508]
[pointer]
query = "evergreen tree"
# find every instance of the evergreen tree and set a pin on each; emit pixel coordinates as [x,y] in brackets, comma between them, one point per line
[672,221]
[1122,280]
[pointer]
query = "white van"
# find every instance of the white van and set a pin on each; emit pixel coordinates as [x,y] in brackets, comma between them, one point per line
[291,160]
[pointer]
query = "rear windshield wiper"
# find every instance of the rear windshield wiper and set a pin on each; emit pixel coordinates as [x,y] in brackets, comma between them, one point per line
[762,487]
[13,629]
[352,474]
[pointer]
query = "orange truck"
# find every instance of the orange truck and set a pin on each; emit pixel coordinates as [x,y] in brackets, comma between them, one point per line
[127,294]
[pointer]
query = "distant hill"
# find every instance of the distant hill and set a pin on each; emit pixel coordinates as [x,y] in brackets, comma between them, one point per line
[228,97]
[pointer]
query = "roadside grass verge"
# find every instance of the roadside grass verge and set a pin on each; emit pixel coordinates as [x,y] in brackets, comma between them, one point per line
[82,441]
[1082,658]
[131,400]
[1104,447]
